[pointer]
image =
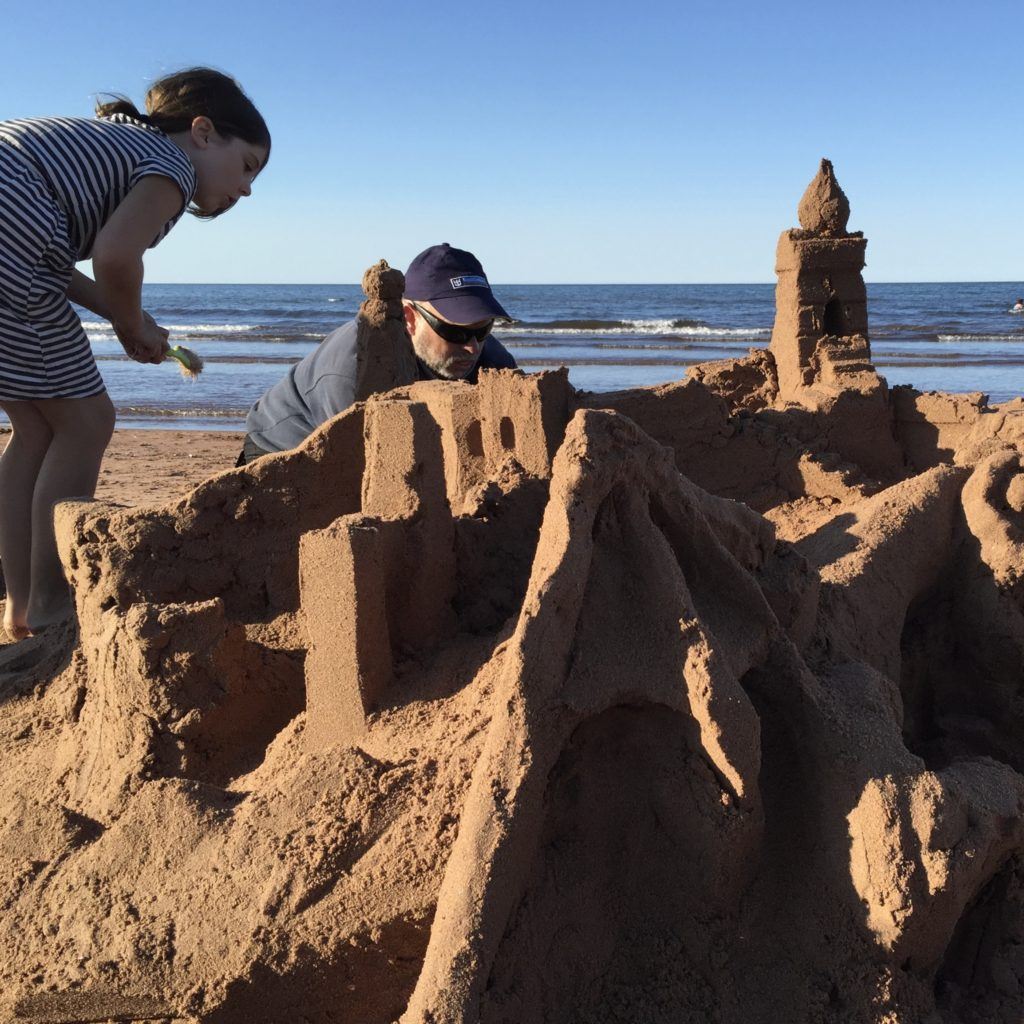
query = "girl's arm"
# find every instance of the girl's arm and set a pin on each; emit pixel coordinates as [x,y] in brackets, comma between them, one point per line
[117,263]
[83,291]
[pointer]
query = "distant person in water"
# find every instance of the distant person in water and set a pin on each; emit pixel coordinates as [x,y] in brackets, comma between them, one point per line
[1018,306]
[449,313]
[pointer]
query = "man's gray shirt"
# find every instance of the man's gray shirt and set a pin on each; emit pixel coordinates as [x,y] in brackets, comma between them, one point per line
[324,384]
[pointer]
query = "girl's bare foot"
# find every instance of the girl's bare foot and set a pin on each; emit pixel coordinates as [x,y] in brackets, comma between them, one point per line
[15,627]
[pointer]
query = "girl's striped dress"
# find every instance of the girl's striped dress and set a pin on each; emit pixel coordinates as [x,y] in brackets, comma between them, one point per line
[60,180]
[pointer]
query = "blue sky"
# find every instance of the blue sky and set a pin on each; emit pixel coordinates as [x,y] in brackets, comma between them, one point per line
[574,142]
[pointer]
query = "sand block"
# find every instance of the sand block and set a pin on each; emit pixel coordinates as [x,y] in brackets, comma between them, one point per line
[404,472]
[405,480]
[343,579]
[878,558]
[381,584]
[524,416]
[845,363]
[837,261]
[814,301]
[455,406]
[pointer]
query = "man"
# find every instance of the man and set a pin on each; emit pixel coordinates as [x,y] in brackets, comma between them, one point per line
[449,312]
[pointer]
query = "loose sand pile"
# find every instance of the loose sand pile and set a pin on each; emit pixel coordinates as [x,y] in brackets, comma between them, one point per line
[510,704]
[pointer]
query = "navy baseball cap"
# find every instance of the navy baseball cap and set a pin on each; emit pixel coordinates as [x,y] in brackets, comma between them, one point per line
[454,283]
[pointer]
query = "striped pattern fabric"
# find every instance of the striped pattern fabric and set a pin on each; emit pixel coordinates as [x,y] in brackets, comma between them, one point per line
[91,164]
[44,352]
[60,180]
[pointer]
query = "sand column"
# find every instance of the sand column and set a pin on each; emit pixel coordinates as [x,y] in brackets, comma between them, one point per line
[379,585]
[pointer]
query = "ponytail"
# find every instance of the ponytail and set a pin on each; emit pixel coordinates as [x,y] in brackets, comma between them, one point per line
[174,102]
[118,104]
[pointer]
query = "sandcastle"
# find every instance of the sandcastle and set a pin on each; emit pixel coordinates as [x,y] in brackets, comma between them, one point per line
[508,703]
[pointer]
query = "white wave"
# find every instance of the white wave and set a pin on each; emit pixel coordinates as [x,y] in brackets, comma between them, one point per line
[212,328]
[981,337]
[103,326]
[639,327]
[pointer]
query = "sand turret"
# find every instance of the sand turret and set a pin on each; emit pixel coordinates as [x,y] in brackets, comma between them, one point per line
[385,358]
[820,338]
[821,314]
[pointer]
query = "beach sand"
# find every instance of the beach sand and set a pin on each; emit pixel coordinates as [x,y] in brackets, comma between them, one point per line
[144,467]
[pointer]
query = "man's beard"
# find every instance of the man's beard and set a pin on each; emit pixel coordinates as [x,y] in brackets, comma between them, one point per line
[449,368]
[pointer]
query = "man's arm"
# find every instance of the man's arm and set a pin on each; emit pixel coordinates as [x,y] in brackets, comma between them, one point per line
[332,393]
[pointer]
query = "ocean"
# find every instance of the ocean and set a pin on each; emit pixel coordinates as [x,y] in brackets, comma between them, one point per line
[948,337]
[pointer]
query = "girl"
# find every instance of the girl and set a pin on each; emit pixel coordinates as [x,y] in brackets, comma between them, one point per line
[109,188]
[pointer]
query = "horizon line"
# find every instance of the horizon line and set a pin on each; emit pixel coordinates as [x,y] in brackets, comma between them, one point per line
[567,284]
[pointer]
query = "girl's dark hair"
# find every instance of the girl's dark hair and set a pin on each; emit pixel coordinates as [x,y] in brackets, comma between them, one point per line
[172,103]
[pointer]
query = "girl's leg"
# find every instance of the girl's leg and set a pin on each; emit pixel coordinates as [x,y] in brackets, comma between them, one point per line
[82,428]
[19,468]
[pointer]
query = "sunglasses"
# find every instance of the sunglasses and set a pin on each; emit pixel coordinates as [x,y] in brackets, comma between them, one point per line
[453,333]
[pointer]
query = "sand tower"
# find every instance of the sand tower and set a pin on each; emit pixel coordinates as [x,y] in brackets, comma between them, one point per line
[821,319]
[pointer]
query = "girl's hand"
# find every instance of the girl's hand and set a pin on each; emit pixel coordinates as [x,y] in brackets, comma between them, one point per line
[145,342]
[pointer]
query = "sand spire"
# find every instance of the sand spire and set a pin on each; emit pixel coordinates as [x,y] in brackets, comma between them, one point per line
[824,208]
[385,357]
